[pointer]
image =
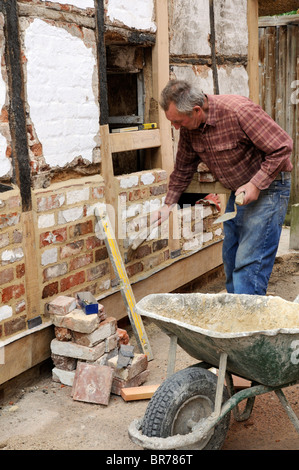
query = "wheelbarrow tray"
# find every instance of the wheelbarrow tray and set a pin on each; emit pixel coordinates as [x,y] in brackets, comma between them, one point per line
[259,334]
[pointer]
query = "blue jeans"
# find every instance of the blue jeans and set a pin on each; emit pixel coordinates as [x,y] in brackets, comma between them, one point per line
[251,239]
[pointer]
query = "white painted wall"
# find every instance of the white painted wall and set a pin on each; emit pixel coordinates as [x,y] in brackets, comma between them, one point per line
[132,13]
[63,107]
[189,27]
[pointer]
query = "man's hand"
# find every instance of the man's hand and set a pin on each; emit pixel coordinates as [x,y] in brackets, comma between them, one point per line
[251,192]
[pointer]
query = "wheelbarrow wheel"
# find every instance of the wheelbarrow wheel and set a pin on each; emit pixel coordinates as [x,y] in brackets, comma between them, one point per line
[186,397]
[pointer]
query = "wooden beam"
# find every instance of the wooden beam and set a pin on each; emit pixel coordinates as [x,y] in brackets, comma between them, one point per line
[122,142]
[144,392]
[17,115]
[102,65]
[163,157]
[168,279]
[253,50]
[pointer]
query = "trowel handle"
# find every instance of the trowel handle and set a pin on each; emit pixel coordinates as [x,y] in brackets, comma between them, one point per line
[240,199]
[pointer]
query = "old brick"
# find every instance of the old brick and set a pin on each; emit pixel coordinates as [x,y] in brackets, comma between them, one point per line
[55,236]
[105,329]
[81,261]
[50,290]
[62,334]
[81,229]
[160,244]
[111,343]
[20,270]
[55,271]
[77,321]
[123,336]
[62,305]
[12,292]
[118,384]
[65,377]
[72,249]
[92,383]
[156,190]
[72,281]
[98,193]
[98,271]
[134,269]
[15,325]
[77,351]
[50,202]
[63,362]
[6,275]
[139,364]
[101,254]
[94,242]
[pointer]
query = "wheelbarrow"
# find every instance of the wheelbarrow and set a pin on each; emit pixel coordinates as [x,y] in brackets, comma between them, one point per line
[252,337]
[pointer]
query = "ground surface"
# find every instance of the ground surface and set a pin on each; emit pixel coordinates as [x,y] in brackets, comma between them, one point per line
[44,416]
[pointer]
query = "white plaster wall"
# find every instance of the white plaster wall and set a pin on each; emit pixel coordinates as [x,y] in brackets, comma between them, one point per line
[63,107]
[203,76]
[190,27]
[233,81]
[231,28]
[136,14]
[83,4]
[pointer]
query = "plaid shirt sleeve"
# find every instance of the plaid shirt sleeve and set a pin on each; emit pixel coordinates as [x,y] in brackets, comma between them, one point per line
[271,139]
[185,166]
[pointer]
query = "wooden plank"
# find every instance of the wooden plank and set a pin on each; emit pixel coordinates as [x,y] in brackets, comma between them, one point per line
[143,392]
[278,20]
[134,140]
[168,278]
[32,276]
[163,157]
[280,103]
[253,48]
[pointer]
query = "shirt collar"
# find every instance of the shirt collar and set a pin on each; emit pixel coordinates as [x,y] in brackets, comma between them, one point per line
[211,117]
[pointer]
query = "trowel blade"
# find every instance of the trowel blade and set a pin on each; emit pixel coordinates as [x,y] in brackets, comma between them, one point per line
[230,215]
[225,217]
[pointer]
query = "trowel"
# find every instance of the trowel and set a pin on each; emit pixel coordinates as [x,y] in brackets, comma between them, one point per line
[230,215]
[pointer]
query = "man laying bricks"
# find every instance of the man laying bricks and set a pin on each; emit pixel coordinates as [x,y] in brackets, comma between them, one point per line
[247,152]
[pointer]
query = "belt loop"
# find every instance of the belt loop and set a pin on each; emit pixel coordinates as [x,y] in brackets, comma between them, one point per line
[282,177]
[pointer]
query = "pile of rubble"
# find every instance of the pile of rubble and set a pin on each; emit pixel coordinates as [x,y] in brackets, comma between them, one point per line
[91,354]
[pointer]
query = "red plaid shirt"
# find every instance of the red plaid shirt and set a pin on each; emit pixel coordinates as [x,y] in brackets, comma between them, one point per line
[239,143]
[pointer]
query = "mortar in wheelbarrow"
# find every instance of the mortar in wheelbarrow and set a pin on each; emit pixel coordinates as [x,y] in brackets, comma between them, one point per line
[259,334]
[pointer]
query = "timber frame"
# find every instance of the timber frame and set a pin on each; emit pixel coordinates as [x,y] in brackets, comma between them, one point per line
[32,346]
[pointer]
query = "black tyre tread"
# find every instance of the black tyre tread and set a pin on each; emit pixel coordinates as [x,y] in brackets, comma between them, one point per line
[170,391]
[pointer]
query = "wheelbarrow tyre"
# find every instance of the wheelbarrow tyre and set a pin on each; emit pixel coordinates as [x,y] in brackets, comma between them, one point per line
[189,393]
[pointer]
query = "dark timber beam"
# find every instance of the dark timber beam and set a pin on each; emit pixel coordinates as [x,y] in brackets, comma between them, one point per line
[102,67]
[17,116]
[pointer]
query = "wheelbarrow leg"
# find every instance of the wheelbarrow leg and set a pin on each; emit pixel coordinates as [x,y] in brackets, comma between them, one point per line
[249,403]
[172,355]
[220,383]
[287,407]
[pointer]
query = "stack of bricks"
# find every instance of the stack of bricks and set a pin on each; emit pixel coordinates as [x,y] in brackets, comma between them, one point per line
[86,353]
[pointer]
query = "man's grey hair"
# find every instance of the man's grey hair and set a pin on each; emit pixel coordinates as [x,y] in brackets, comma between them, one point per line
[183,94]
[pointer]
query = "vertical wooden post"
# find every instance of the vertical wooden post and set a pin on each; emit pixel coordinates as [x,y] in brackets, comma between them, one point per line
[164,157]
[20,153]
[160,63]
[253,50]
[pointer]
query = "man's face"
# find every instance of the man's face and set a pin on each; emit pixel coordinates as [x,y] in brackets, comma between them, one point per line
[189,121]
